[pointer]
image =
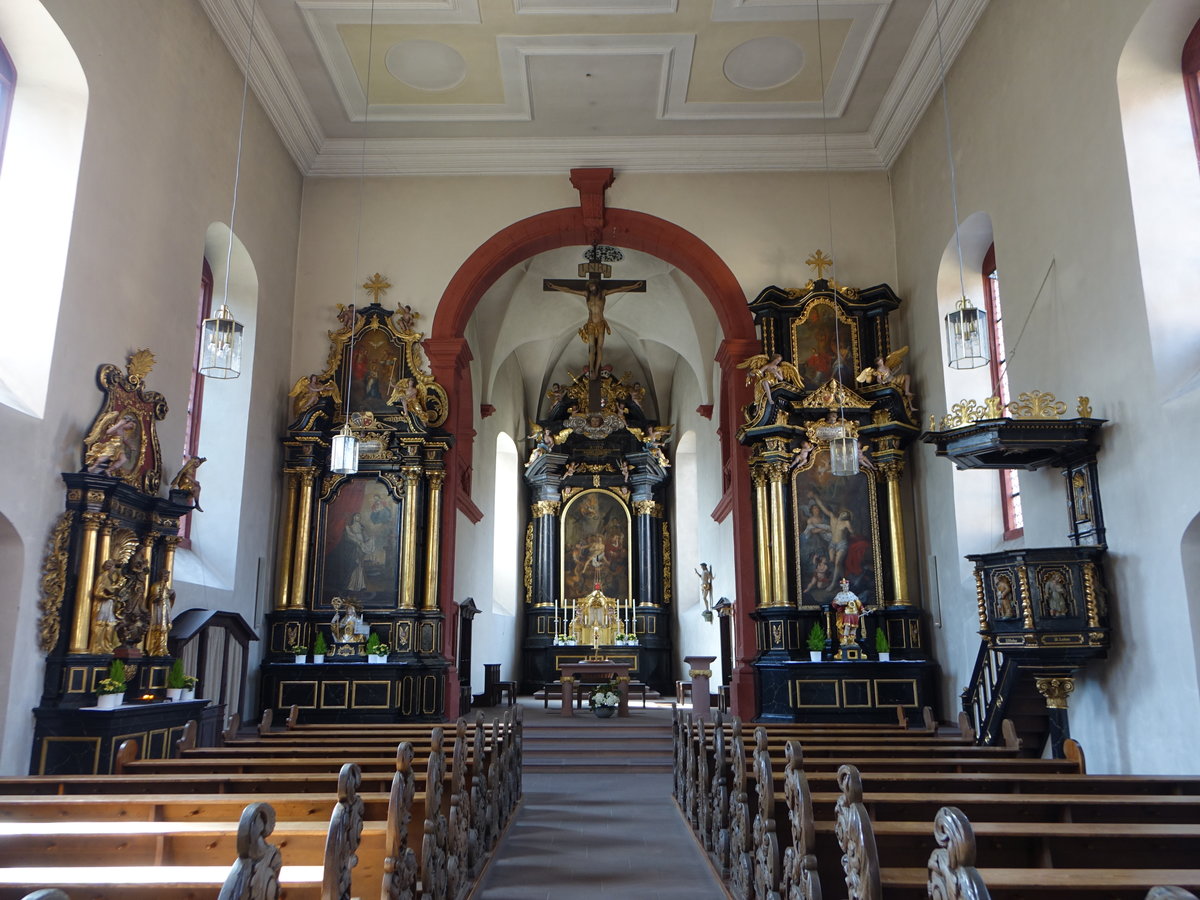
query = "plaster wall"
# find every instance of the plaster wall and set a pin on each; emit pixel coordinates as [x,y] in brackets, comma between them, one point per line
[1037,134]
[157,170]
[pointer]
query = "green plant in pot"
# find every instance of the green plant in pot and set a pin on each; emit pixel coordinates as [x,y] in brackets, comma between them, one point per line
[300,651]
[882,647]
[320,648]
[176,680]
[816,642]
[377,650]
[111,689]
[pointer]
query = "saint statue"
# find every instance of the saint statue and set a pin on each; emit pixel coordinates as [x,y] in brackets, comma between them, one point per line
[104,608]
[849,613]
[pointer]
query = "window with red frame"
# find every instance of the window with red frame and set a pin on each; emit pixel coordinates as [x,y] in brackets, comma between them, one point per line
[8,84]
[191,426]
[1191,80]
[1010,489]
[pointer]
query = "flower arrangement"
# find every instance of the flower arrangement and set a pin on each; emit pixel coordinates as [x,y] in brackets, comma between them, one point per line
[115,682]
[376,649]
[605,695]
[298,649]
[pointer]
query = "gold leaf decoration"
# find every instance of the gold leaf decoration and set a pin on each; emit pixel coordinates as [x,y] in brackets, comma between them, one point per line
[1037,405]
[140,364]
[1085,408]
[54,582]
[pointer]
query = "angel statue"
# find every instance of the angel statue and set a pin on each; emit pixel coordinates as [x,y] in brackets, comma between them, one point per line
[544,440]
[405,395]
[112,443]
[406,319]
[308,391]
[766,371]
[652,440]
[185,480]
[885,371]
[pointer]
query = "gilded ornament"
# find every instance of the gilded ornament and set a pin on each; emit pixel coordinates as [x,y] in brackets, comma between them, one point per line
[648,508]
[668,579]
[992,408]
[1085,408]
[766,372]
[375,286]
[1090,595]
[529,563]
[1056,691]
[820,262]
[834,395]
[54,582]
[1037,405]
[980,602]
[139,365]
[1026,597]
[699,673]
[545,508]
[964,412]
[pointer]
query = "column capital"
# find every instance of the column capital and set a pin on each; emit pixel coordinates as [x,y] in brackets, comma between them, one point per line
[1056,690]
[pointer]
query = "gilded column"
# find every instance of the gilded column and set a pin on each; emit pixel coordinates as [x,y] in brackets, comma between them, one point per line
[287,541]
[81,626]
[776,472]
[891,467]
[408,541]
[762,542]
[170,542]
[308,477]
[433,545]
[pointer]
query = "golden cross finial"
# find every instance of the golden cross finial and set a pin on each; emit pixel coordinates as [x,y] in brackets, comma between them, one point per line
[820,262]
[375,286]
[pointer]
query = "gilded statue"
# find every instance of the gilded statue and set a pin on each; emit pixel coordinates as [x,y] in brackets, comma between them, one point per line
[849,613]
[653,439]
[105,593]
[185,480]
[768,371]
[112,443]
[544,440]
[886,371]
[405,395]
[345,622]
[162,600]
[133,618]
[595,293]
[308,391]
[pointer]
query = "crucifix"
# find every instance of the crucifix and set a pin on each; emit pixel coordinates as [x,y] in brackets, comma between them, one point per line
[595,292]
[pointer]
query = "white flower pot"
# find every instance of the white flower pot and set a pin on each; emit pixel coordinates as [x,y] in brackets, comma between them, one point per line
[376,658]
[109,701]
[301,658]
[188,694]
[885,657]
[318,657]
[174,693]
[815,655]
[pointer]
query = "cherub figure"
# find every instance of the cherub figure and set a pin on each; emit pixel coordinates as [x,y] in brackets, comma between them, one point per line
[802,454]
[185,480]
[544,440]
[864,457]
[555,394]
[345,315]
[653,439]
[406,319]
[767,372]
[308,391]
[886,371]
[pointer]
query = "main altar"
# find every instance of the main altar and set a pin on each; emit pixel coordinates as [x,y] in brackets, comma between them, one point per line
[597,539]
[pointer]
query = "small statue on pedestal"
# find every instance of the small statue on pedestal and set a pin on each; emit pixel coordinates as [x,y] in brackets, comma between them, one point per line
[849,614]
[185,484]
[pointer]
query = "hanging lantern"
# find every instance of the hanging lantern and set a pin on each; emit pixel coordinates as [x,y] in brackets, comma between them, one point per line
[843,455]
[966,336]
[343,452]
[221,345]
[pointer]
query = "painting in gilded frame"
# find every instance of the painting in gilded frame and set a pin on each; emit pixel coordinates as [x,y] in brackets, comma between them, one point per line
[375,368]
[359,545]
[837,533]
[825,345]
[596,546]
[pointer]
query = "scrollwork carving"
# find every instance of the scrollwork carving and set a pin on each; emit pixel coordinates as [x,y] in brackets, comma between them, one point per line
[255,873]
[54,582]
[1037,405]
[952,873]
[860,860]
[799,880]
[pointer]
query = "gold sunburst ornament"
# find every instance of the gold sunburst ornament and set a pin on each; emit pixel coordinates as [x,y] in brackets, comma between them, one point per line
[139,365]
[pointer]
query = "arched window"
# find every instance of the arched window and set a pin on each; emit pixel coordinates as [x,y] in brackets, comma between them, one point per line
[1191,81]
[1010,488]
[8,83]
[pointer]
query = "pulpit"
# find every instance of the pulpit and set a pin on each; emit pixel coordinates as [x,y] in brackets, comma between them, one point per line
[573,673]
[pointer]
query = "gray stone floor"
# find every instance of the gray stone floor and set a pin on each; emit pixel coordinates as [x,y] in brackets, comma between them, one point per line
[605,836]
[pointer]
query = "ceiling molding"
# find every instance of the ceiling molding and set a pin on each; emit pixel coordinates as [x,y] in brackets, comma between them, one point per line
[595,7]
[538,156]
[275,83]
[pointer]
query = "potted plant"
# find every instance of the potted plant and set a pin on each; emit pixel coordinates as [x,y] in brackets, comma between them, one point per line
[377,651]
[300,651]
[816,642]
[604,699]
[882,647]
[319,648]
[176,680]
[189,687]
[111,690]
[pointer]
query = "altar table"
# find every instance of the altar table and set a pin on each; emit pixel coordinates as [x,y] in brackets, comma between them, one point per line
[571,673]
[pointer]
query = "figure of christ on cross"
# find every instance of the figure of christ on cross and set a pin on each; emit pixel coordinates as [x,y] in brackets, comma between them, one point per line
[594,292]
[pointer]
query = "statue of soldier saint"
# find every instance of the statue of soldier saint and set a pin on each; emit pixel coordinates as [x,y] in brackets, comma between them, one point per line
[594,292]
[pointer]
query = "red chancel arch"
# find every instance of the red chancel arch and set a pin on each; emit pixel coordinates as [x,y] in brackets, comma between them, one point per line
[449,356]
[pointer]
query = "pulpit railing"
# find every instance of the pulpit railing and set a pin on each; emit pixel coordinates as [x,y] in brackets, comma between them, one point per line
[985,698]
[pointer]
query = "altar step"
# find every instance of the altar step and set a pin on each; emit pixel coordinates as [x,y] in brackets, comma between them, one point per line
[586,744]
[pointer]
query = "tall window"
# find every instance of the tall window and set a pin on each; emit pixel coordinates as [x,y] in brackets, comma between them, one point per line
[8,83]
[191,426]
[1010,488]
[1191,80]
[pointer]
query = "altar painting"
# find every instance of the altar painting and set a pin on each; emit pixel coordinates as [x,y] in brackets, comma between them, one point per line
[822,351]
[596,546]
[360,545]
[373,372]
[837,533]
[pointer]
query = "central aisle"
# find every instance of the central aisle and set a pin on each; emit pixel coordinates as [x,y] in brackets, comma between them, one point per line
[597,820]
[598,836]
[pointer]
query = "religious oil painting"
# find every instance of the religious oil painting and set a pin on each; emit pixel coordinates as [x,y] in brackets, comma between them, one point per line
[595,546]
[374,370]
[360,543]
[837,533]
[822,348]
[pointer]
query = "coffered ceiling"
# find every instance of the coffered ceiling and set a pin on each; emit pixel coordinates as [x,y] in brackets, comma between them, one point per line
[528,86]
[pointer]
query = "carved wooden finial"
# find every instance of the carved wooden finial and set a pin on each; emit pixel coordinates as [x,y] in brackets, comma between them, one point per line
[820,262]
[376,285]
